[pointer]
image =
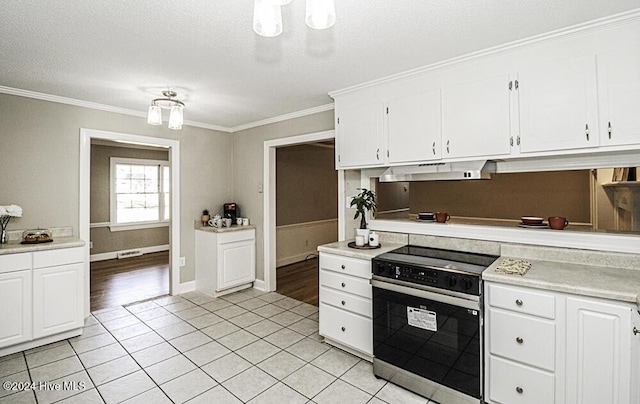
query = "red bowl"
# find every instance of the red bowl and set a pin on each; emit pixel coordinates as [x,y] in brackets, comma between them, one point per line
[531,220]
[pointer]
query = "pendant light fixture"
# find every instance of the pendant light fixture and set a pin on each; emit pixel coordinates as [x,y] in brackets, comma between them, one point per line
[170,102]
[267,15]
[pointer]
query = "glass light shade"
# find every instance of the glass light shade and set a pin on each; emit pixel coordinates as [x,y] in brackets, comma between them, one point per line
[175,118]
[321,14]
[267,18]
[155,115]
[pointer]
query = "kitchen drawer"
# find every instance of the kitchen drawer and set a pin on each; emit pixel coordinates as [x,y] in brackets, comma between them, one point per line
[347,328]
[15,262]
[522,300]
[346,301]
[345,283]
[62,256]
[346,265]
[526,339]
[513,383]
[237,235]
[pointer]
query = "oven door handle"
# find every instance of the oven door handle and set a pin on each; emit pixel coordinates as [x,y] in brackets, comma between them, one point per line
[424,294]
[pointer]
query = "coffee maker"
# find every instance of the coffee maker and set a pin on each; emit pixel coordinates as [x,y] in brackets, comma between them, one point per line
[231,211]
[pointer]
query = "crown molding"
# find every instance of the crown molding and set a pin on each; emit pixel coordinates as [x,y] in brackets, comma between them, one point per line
[94,105]
[593,25]
[280,118]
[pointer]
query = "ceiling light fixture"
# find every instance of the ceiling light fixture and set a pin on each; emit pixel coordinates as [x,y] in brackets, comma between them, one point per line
[267,15]
[169,102]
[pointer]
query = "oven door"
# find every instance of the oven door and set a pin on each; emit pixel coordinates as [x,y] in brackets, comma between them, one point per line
[428,342]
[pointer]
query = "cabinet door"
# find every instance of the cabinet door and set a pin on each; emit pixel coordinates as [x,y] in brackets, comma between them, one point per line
[236,264]
[414,128]
[598,352]
[558,105]
[619,91]
[15,307]
[58,304]
[475,118]
[359,131]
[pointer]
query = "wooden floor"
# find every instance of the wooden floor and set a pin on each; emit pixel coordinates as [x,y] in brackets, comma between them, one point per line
[299,281]
[118,282]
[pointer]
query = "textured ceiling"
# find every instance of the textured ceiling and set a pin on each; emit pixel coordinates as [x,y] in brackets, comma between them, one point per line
[124,53]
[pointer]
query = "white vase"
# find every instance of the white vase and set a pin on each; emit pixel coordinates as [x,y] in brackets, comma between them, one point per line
[365,233]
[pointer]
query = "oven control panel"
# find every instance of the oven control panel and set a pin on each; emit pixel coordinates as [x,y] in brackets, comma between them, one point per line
[435,277]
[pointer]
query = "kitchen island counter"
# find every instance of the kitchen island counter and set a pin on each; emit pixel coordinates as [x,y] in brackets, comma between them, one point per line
[342,248]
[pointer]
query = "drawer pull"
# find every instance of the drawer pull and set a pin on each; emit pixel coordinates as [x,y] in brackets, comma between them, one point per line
[343,302]
[519,302]
[342,266]
[519,390]
[343,284]
[519,340]
[343,329]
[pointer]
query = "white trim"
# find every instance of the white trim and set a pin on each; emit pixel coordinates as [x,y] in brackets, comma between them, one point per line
[624,17]
[85,169]
[114,254]
[97,225]
[136,226]
[143,114]
[304,224]
[100,107]
[269,198]
[295,258]
[342,207]
[285,117]
[260,285]
[187,287]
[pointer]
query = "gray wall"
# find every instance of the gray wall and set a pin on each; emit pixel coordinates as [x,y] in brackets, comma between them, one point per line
[103,239]
[39,162]
[248,165]
[306,184]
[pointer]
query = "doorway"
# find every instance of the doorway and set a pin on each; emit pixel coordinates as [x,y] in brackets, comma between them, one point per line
[173,147]
[269,172]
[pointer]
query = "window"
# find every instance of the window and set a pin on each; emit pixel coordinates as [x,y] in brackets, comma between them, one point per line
[140,193]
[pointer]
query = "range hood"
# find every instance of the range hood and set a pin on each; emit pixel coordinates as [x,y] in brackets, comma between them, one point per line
[464,170]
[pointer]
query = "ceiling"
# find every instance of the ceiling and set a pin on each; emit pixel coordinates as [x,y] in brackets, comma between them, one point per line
[124,53]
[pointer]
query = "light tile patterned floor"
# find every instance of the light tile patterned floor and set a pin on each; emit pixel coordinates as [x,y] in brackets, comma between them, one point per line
[247,347]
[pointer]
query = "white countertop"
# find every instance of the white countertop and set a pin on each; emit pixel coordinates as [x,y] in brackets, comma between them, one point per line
[14,247]
[341,248]
[588,280]
[234,227]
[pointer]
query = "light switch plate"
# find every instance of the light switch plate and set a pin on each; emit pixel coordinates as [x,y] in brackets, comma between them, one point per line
[183,261]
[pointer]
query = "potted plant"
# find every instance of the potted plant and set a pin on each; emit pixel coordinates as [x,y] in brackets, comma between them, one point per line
[364,201]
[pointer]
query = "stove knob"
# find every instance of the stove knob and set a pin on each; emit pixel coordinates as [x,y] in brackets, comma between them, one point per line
[451,280]
[379,268]
[467,284]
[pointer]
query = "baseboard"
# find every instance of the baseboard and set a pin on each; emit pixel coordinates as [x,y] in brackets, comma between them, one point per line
[260,285]
[186,287]
[295,258]
[114,254]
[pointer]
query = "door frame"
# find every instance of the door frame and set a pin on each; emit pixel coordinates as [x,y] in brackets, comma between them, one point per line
[86,135]
[269,201]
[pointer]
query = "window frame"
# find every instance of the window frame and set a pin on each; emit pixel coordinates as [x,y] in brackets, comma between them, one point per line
[160,164]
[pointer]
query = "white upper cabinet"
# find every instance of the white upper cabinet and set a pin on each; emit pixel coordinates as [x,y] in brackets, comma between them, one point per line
[475,118]
[619,92]
[359,134]
[558,105]
[413,128]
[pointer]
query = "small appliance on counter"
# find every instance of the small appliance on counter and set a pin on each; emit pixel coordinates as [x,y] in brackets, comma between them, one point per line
[36,236]
[231,211]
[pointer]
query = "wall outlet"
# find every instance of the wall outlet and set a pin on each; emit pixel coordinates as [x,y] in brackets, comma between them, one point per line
[260,188]
[90,244]
[183,261]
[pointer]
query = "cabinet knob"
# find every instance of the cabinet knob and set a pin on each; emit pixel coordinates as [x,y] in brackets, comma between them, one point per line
[343,266]
[519,302]
[447,146]
[519,340]
[343,302]
[519,390]
[609,129]
[343,284]
[343,329]
[586,131]
[433,148]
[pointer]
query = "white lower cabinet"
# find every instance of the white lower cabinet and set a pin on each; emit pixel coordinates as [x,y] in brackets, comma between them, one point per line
[225,261]
[548,347]
[41,295]
[15,307]
[345,303]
